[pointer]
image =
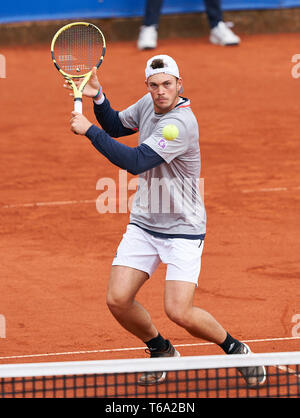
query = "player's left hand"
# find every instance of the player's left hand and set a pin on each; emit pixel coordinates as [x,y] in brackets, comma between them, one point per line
[79,123]
[91,88]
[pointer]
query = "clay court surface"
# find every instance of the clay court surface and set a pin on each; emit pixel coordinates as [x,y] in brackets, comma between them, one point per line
[56,249]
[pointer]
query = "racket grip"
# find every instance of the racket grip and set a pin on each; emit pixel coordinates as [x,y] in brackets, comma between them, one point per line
[78,105]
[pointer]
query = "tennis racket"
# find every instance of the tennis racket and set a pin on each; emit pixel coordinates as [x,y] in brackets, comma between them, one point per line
[75,49]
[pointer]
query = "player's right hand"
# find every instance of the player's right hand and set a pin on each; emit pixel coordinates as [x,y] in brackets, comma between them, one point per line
[91,88]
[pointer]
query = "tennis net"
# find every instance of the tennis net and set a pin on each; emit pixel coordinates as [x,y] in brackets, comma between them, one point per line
[187,377]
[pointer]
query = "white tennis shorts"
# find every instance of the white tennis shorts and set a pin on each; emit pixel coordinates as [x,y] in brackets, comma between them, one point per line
[142,251]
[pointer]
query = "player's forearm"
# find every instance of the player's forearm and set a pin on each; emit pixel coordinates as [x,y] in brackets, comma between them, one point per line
[135,160]
[109,120]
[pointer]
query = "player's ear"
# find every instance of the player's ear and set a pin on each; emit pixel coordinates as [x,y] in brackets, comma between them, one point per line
[179,85]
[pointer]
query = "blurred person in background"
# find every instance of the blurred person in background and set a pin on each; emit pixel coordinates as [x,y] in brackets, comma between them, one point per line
[220,32]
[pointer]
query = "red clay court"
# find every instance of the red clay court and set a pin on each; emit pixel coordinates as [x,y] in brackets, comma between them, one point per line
[56,249]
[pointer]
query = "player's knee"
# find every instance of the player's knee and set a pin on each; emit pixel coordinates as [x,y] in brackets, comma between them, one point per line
[117,301]
[178,315]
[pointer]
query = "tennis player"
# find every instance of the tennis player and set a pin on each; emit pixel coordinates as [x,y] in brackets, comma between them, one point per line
[174,236]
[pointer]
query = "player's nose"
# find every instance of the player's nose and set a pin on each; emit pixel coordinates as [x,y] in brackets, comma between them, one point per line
[161,90]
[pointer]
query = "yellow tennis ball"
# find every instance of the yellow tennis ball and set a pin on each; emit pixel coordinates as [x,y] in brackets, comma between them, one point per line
[170,132]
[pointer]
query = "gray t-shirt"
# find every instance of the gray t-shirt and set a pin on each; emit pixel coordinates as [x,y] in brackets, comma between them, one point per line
[168,199]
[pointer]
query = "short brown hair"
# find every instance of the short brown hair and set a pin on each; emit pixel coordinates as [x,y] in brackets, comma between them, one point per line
[157,63]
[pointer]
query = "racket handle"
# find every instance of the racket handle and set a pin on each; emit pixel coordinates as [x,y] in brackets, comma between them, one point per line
[78,105]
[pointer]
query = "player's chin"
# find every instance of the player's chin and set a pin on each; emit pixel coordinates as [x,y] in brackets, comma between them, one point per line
[163,105]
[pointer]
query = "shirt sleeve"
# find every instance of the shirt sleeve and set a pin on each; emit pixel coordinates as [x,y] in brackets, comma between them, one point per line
[169,149]
[110,121]
[135,160]
[131,116]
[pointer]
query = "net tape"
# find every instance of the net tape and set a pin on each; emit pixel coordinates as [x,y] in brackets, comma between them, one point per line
[201,376]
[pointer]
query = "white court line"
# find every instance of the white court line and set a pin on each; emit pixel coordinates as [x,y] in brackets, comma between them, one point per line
[57,203]
[113,350]
[266,190]
[289,370]
[271,189]
[79,202]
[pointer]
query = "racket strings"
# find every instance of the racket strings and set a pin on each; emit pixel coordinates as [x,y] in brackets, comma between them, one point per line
[78,49]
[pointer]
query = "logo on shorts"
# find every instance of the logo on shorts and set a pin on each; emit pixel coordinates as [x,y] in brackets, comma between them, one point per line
[162,143]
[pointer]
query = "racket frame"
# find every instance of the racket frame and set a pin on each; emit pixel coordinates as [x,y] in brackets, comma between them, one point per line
[69,77]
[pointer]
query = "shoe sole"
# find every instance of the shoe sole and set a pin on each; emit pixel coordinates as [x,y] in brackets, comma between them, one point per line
[146,48]
[255,385]
[159,380]
[216,41]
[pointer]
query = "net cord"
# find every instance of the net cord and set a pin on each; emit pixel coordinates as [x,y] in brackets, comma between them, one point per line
[142,364]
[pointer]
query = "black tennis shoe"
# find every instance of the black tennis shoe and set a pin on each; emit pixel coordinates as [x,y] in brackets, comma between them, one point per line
[154,378]
[254,375]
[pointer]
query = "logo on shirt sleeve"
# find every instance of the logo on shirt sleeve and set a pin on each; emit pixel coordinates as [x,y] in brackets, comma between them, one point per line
[162,143]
